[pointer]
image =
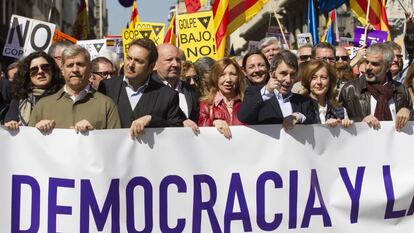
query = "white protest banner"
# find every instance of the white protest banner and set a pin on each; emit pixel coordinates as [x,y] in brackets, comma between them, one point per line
[27,35]
[304,38]
[310,179]
[94,47]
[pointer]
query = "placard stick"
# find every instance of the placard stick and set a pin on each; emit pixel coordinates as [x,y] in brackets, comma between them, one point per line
[366,24]
[402,6]
[280,26]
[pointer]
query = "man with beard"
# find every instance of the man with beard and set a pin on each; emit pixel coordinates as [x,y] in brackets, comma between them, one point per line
[256,68]
[274,103]
[168,69]
[375,96]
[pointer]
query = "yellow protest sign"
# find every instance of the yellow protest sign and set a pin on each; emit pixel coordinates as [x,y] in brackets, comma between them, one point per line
[196,35]
[153,31]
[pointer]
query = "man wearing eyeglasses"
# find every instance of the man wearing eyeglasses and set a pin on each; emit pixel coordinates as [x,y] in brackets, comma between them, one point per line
[341,55]
[304,53]
[102,68]
[324,51]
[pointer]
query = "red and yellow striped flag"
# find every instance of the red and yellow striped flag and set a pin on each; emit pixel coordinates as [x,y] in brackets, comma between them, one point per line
[133,22]
[230,15]
[171,35]
[377,14]
[81,25]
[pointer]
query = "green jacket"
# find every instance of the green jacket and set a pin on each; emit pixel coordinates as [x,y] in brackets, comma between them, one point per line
[95,107]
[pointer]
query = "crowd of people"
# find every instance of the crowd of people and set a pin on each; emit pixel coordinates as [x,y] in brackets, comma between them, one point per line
[157,87]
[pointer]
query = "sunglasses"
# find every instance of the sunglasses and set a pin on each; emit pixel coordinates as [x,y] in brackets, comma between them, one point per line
[305,57]
[36,69]
[343,58]
[328,59]
[196,78]
[104,75]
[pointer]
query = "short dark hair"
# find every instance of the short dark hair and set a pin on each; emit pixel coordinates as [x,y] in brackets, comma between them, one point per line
[95,63]
[322,45]
[285,56]
[255,52]
[149,45]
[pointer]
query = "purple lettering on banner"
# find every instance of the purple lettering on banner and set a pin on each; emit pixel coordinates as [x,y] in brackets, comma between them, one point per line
[354,192]
[17,182]
[199,205]
[389,190]
[53,208]
[411,209]
[260,201]
[181,188]
[236,189]
[310,209]
[146,185]
[293,199]
[88,200]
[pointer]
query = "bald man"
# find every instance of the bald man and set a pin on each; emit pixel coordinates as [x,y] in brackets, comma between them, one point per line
[168,69]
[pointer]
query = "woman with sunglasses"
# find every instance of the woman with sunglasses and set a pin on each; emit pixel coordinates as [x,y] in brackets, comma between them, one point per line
[37,76]
[319,81]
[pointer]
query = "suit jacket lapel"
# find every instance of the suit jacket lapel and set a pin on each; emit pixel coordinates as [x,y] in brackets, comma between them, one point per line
[146,104]
[296,106]
[189,99]
[276,106]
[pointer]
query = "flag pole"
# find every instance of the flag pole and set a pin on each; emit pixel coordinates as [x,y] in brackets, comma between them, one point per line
[50,11]
[280,26]
[402,6]
[366,24]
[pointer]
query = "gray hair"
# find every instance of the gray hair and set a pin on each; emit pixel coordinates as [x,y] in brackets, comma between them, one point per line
[384,49]
[100,60]
[61,43]
[75,50]
[268,41]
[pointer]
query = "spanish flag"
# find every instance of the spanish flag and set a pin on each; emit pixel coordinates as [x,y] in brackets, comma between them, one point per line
[171,36]
[230,15]
[134,20]
[377,13]
[81,25]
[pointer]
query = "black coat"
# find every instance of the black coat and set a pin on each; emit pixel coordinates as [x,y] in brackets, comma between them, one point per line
[191,96]
[255,111]
[158,100]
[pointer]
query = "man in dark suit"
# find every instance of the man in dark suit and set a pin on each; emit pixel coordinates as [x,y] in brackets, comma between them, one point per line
[168,70]
[142,101]
[274,103]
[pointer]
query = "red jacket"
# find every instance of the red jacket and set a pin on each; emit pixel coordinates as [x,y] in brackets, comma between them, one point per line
[210,113]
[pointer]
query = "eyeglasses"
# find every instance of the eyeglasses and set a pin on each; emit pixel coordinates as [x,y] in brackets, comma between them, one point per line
[35,70]
[343,58]
[305,57]
[104,75]
[196,78]
[328,59]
